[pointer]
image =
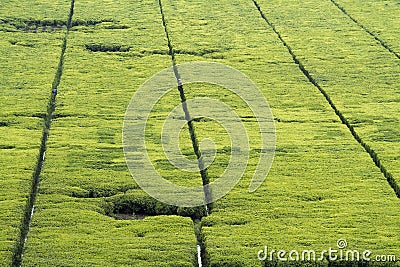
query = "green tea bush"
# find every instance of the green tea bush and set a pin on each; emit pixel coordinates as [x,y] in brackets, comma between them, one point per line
[106,48]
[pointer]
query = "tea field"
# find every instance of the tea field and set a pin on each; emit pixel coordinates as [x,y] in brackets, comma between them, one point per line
[330,71]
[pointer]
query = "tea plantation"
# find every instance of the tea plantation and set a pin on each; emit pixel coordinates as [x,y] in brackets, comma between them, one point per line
[330,71]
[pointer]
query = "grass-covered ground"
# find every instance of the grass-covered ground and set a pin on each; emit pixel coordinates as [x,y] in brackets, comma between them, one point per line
[322,186]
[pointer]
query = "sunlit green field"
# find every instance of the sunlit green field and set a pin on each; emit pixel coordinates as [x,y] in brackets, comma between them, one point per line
[323,185]
[27,66]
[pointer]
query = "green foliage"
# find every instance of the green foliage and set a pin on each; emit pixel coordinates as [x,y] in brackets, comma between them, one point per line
[357,72]
[320,181]
[196,213]
[369,14]
[140,203]
[323,185]
[106,48]
[85,181]
[24,96]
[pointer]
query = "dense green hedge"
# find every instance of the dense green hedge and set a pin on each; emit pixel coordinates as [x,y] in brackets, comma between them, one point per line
[27,68]
[323,185]
[322,180]
[85,184]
